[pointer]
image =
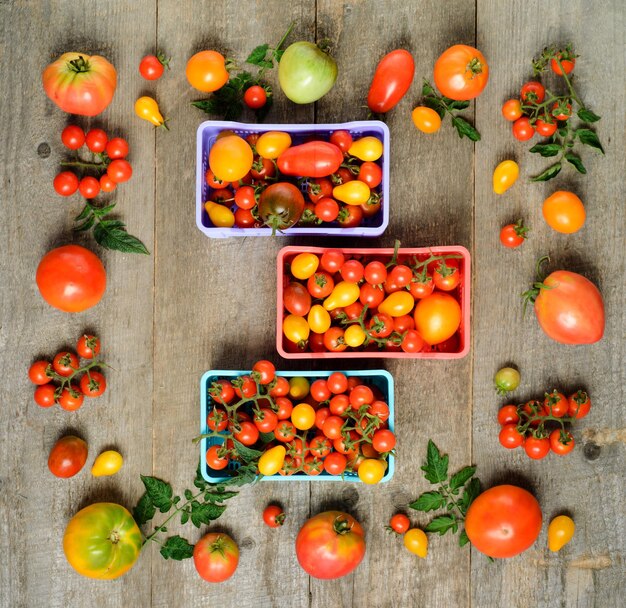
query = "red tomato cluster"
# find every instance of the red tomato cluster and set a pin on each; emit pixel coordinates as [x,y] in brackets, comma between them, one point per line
[333,426]
[341,179]
[525,425]
[112,167]
[530,114]
[335,302]
[56,381]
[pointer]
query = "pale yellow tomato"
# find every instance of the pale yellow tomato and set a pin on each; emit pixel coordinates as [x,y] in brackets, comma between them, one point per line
[354,335]
[367,148]
[298,387]
[318,319]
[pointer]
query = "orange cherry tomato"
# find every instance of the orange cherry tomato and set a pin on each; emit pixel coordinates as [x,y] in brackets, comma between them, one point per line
[564,212]
[206,71]
[461,72]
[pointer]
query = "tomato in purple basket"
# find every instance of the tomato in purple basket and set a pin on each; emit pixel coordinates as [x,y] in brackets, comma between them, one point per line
[312,159]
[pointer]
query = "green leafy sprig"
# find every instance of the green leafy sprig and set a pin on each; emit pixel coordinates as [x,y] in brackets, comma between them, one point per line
[444,105]
[454,494]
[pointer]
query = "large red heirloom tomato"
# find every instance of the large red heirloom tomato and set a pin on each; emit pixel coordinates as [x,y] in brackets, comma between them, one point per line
[503,521]
[80,84]
[569,308]
[71,278]
[330,545]
[102,541]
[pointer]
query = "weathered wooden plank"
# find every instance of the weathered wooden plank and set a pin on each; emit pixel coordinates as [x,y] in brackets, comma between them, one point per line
[430,204]
[35,506]
[215,308]
[587,483]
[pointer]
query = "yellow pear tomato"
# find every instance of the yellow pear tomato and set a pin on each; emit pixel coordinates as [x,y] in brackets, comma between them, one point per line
[416,541]
[342,295]
[148,109]
[272,461]
[505,175]
[560,532]
[220,216]
[367,148]
[397,304]
[352,193]
[107,463]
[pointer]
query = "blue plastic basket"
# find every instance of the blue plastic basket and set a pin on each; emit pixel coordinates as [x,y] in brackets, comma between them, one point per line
[380,378]
[207,134]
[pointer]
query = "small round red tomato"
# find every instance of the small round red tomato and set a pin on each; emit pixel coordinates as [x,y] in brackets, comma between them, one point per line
[503,521]
[67,457]
[45,395]
[279,387]
[320,284]
[380,325]
[533,92]
[545,129]
[399,523]
[151,67]
[412,342]
[375,273]
[65,183]
[320,416]
[217,420]
[214,460]
[350,216]
[337,383]
[255,97]
[88,346]
[273,516]
[331,544]
[320,446]
[383,441]
[120,170]
[244,197]
[510,437]
[107,184]
[319,390]
[96,140]
[222,391]
[556,404]
[339,404]
[333,340]
[215,557]
[561,442]
[93,384]
[370,173]
[71,398]
[461,72]
[352,271]
[561,110]
[379,409]
[244,218]
[73,137]
[285,407]
[38,373]
[447,275]
[371,295]
[65,364]
[513,235]
[297,299]
[399,277]
[332,427]
[89,187]
[335,463]
[332,260]
[248,435]
[312,466]
[512,109]
[421,286]
[522,129]
[579,404]
[285,431]
[537,447]
[327,209]
[117,148]
[213,181]
[507,414]
[342,139]
[265,420]
[567,61]
[246,388]
[361,395]
[319,188]
[264,371]
[403,323]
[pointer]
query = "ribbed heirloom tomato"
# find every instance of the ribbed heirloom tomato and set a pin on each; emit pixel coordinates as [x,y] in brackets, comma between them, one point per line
[102,541]
[216,557]
[330,545]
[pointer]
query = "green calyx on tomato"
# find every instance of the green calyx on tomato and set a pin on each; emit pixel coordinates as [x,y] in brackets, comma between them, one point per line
[280,206]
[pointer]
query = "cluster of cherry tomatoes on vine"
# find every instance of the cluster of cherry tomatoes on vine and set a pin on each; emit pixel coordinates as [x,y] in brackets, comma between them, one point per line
[110,163]
[56,380]
[334,425]
[333,302]
[530,425]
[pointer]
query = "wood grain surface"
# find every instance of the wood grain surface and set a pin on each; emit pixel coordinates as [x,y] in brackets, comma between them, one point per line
[196,304]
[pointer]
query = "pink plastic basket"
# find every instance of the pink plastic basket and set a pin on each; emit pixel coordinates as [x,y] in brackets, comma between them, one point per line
[462,292]
[207,134]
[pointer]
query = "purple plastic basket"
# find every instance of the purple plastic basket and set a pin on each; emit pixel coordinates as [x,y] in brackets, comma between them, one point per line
[207,134]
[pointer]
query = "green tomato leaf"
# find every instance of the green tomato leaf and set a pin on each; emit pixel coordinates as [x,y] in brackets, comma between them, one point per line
[463,539]
[218,497]
[86,225]
[102,211]
[441,524]
[184,517]
[427,89]
[575,160]
[257,56]
[111,234]
[205,513]
[551,172]
[587,115]
[472,490]
[278,54]
[435,104]
[159,491]
[456,105]
[546,149]
[459,479]
[245,453]
[177,548]
[589,138]
[429,501]
[144,510]
[465,129]
[436,466]
[84,214]
[199,481]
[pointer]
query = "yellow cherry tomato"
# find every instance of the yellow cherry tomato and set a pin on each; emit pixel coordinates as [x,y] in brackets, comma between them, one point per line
[272,461]
[354,335]
[319,319]
[303,416]
[304,265]
[416,541]
[272,144]
[107,463]
[148,109]
[505,175]
[372,470]
[560,532]
[426,119]
[220,216]
[230,158]
[343,294]
[352,193]
[298,387]
[296,328]
[367,148]
[397,304]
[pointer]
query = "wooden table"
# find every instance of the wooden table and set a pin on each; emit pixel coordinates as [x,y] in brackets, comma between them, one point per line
[196,304]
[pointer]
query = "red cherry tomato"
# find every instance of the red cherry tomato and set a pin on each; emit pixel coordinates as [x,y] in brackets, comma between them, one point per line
[537,448]
[342,139]
[274,516]
[73,137]
[117,148]
[151,67]
[522,129]
[65,183]
[89,187]
[96,140]
[255,97]
[533,92]
[119,170]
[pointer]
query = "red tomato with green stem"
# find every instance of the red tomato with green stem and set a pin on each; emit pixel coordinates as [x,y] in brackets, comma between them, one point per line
[45,395]
[217,420]
[330,544]
[319,188]
[556,404]
[513,235]
[216,557]
[265,420]
[65,363]
[579,404]
[523,130]
[371,174]
[320,285]
[262,168]
[545,128]
[446,275]
[461,72]
[273,516]
[392,79]
[151,67]
[510,437]
[561,442]
[563,62]
[421,286]
[285,407]
[537,447]
[264,371]
[533,92]
[371,295]
[561,110]
[71,398]
[248,434]
[327,209]
[214,460]
[255,97]
[412,342]
[333,340]
[380,325]
[38,372]
[350,216]
[320,446]
[285,431]
[93,384]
